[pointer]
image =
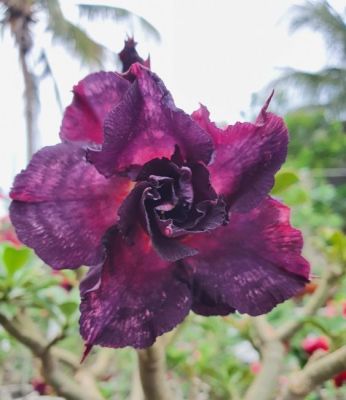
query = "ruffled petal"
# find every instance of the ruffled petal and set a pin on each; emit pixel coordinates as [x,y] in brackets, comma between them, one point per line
[62,206]
[145,125]
[137,298]
[203,304]
[136,211]
[93,98]
[247,156]
[252,264]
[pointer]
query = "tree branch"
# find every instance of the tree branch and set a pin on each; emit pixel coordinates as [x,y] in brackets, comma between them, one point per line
[273,353]
[152,366]
[303,382]
[24,330]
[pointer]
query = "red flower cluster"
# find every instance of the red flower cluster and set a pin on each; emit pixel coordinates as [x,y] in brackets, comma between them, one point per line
[311,344]
[340,379]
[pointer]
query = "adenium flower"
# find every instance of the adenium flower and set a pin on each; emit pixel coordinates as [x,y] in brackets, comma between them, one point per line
[40,386]
[170,212]
[340,379]
[311,344]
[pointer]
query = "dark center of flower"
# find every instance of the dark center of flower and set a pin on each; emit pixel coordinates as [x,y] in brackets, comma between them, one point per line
[172,199]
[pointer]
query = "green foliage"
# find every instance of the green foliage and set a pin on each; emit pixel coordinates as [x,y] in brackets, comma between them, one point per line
[321,17]
[325,88]
[316,142]
[283,180]
[14,259]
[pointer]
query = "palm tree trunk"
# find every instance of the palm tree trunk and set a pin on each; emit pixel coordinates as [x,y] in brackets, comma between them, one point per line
[30,99]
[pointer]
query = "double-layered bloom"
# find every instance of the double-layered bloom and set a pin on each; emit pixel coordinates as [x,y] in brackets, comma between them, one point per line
[170,212]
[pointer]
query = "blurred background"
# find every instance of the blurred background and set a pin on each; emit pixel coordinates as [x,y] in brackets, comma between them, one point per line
[227,55]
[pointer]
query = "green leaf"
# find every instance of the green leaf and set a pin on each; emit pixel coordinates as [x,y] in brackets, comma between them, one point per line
[68,308]
[14,259]
[283,180]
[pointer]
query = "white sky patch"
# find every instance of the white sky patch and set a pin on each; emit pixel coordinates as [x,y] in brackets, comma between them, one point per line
[217,52]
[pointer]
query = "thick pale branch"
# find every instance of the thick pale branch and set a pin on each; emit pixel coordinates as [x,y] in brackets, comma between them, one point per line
[273,353]
[66,357]
[152,367]
[303,382]
[24,330]
[102,363]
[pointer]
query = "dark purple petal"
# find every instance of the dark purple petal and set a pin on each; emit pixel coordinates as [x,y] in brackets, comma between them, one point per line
[158,166]
[62,206]
[129,55]
[252,264]
[205,305]
[93,98]
[130,212]
[136,210]
[247,157]
[138,297]
[168,248]
[146,125]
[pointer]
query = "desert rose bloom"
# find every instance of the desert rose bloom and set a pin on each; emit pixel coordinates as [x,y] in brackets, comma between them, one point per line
[340,379]
[311,344]
[171,213]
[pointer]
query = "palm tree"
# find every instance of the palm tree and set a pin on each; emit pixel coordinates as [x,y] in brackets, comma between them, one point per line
[20,16]
[327,87]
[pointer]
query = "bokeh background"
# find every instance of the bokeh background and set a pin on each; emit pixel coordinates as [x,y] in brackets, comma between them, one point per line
[227,55]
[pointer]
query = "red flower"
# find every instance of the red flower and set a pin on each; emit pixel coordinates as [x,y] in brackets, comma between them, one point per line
[40,386]
[311,344]
[340,379]
[255,367]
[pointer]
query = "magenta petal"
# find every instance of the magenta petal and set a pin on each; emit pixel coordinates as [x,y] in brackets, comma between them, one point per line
[62,206]
[247,156]
[146,125]
[138,297]
[93,98]
[252,264]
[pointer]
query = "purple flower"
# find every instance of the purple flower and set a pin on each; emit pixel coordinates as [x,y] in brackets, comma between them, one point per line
[171,213]
[129,55]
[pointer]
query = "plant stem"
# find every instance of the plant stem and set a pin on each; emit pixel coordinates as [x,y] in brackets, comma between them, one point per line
[26,332]
[301,383]
[152,369]
[30,98]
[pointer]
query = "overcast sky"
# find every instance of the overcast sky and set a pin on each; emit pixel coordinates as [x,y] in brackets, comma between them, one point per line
[217,52]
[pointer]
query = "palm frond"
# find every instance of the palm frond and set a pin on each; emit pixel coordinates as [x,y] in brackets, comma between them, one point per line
[75,39]
[327,78]
[326,88]
[320,16]
[118,14]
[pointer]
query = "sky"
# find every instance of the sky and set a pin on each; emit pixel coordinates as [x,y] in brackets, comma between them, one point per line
[214,52]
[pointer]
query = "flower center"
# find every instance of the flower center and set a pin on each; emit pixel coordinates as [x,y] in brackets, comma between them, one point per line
[172,200]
